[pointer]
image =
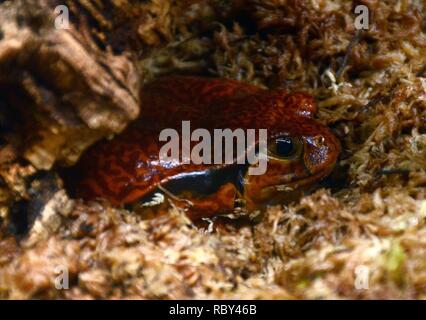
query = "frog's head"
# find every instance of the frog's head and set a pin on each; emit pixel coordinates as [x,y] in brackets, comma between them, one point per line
[300,152]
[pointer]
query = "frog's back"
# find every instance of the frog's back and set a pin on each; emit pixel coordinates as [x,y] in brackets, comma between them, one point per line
[219,103]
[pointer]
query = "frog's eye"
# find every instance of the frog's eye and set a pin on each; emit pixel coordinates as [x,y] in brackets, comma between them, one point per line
[285,148]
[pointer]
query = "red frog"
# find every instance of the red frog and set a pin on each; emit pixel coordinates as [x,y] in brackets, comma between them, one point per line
[127,169]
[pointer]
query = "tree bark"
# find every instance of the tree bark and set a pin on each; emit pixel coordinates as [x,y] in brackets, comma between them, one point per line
[60,89]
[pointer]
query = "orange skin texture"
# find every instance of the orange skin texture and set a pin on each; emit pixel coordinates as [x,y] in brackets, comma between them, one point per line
[127,168]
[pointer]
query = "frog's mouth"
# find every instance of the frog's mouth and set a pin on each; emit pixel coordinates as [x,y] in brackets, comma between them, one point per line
[290,188]
[302,182]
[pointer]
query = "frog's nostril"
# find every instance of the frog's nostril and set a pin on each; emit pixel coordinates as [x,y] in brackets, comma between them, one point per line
[318,141]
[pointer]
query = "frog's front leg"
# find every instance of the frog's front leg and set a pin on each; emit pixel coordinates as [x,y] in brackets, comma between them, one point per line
[220,202]
[196,206]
